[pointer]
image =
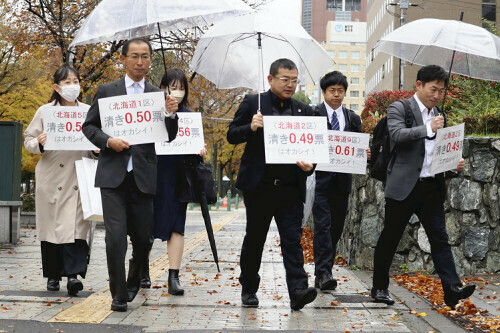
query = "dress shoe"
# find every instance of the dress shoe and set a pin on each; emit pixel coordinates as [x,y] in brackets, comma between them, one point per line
[325,282]
[145,280]
[132,292]
[74,285]
[118,306]
[53,284]
[174,286]
[249,299]
[382,296]
[453,294]
[300,297]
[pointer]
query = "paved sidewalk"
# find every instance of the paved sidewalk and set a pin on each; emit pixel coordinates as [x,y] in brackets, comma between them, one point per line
[211,301]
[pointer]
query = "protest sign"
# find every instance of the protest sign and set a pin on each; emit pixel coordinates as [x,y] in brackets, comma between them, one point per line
[189,139]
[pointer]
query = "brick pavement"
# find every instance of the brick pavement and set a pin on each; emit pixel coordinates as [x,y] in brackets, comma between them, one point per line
[211,301]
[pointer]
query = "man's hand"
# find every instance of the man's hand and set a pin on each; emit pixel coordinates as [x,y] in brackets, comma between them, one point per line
[118,144]
[306,167]
[437,123]
[368,153]
[42,138]
[171,105]
[257,122]
[460,165]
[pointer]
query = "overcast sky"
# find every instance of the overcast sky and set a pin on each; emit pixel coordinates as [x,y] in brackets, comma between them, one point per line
[292,9]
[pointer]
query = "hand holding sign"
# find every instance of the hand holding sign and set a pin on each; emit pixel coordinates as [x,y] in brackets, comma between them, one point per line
[118,144]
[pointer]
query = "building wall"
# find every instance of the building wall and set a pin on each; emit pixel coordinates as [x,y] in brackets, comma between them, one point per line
[382,71]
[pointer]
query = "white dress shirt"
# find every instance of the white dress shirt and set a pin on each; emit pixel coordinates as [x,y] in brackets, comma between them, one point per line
[129,84]
[340,115]
[429,144]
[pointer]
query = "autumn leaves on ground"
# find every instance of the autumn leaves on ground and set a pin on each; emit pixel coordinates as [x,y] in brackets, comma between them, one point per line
[429,288]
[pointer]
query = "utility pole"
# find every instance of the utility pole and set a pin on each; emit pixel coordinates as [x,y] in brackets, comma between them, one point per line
[403,5]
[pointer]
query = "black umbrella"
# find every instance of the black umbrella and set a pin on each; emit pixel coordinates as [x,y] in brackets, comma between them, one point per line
[208,226]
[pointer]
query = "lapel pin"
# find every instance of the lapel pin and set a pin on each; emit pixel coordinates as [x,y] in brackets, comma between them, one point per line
[300,110]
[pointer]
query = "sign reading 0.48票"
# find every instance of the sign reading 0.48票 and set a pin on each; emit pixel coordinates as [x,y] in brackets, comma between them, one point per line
[288,139]
[189,139]
[63,125]
[135,118]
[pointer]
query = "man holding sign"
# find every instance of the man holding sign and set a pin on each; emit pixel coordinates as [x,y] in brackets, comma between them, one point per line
[411,188]
[126,175]
[271,190]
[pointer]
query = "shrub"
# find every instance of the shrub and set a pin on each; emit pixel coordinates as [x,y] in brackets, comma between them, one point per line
[28,202]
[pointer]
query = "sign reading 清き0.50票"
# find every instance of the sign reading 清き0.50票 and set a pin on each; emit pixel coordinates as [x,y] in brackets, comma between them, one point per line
[135,118]
[347,152]
[448,148]
[288,139]
[63,125]
[189,139]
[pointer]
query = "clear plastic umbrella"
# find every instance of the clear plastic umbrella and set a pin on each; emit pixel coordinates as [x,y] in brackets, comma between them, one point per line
[234,53]
[114,20]
[433,42]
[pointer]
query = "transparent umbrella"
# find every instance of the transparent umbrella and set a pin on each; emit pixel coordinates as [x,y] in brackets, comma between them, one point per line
[234,52]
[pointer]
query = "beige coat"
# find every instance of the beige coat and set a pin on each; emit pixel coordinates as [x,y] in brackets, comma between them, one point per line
[59,216]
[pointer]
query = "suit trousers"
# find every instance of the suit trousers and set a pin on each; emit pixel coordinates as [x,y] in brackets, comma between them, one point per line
[126,210]
[262,205]
[425,201]
[329,212]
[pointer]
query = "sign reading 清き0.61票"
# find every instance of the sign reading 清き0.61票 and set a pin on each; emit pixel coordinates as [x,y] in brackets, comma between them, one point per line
[288,139]
[135,118]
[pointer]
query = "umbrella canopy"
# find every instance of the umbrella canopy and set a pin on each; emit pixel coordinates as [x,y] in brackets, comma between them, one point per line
[432,42]
[114,20]
[229,55]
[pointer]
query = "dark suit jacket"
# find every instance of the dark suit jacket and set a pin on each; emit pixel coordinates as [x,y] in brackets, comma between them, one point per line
[352,124]
[403,171]
[112,166]
[253,161]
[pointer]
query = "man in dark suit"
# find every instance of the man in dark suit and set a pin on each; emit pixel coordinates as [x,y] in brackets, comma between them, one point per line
[412,188]
[126,175]
[271,190]
[332,188]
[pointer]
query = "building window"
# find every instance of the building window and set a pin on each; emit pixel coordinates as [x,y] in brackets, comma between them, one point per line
[355,54]
[334,5]
[354,80]
[489,8]
[353,5]
[331,53]
[343,54]
[354,107]
[343,67]
[307,16]
[354,94]
[354,68]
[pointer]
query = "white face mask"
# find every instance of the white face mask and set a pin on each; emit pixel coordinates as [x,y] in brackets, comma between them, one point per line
[70,92]
[178,94]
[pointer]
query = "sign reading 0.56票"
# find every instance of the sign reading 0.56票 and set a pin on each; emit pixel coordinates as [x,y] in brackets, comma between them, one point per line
[135,118]
[63,125]
[189,139]
[288,139]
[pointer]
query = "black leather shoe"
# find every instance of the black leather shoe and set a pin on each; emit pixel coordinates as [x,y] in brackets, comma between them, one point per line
[453,294]
[74,286]
[52,284]
[132,292]
[249,299]
[145,280]
[382,296]
[300,297]
[118,306]
[174,286]
[325,282]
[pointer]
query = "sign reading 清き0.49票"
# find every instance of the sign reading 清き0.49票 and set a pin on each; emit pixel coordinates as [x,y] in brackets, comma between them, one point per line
[288,139]
[135,118]
[448,148]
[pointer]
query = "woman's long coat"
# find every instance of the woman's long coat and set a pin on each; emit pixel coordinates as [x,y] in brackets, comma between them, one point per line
[59,216]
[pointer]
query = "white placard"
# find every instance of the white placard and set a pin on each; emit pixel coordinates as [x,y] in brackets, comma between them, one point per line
[288,139]
[135,118]
[63,125]
[189,139]
[448,148]
[347,152]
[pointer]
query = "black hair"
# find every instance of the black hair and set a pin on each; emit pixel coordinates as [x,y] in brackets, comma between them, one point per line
[281,63]
[431,73]
[333,78]
[173,75]
[136,40]
[62,74]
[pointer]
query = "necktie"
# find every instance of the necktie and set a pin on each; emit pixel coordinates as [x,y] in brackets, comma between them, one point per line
[137,90]
[335,122]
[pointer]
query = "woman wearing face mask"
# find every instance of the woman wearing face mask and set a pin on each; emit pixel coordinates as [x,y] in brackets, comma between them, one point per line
[59,217]
[169,212]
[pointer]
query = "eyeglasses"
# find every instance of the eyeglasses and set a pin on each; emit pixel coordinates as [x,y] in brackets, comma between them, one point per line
[287,80]
[135,57]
